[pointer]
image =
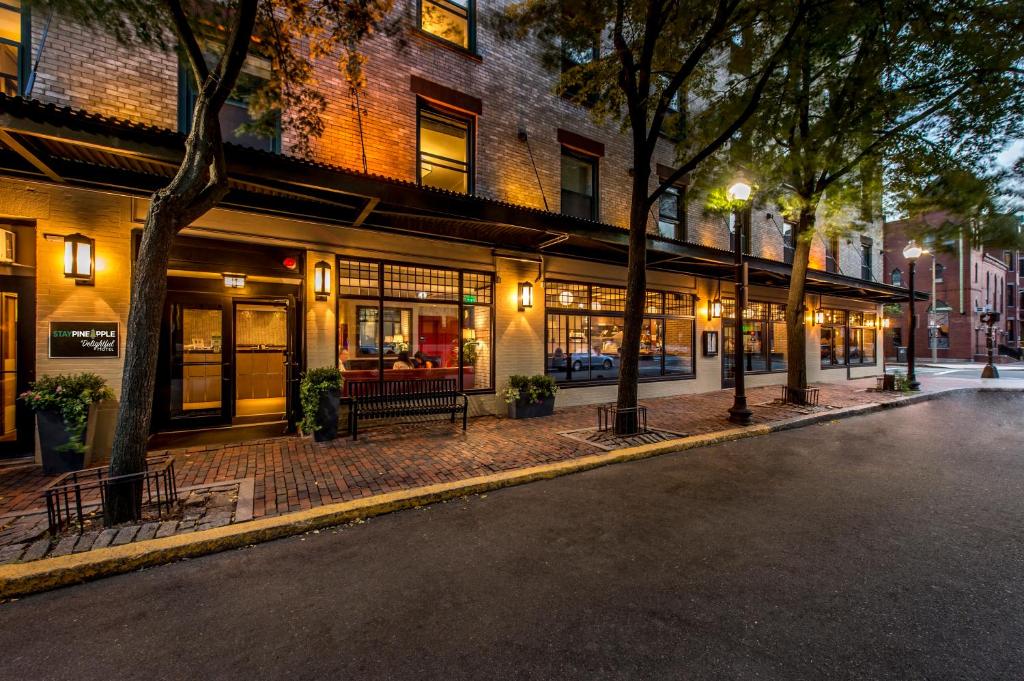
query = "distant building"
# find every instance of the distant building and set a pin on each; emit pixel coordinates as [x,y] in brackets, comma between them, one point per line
[967,281]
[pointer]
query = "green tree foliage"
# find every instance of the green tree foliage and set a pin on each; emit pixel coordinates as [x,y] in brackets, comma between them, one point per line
[682,70]
[920,93]
[214,39]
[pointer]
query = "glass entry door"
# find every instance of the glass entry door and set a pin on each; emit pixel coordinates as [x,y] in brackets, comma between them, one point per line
[8,366]
[200,372]
[261,361]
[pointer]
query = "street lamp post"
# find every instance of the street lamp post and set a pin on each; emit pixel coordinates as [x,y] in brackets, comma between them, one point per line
[739,413]
[912,252]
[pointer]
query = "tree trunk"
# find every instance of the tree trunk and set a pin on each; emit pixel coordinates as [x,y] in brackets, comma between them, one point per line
[636,302]
[796,328]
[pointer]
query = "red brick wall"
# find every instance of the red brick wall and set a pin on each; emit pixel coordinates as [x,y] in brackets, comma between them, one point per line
[93,72]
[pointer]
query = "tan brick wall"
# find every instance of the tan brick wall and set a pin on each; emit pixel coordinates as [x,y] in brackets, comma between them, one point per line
[320,317]
[103,217]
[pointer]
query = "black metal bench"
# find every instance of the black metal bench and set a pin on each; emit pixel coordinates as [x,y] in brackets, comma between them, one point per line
[404,397]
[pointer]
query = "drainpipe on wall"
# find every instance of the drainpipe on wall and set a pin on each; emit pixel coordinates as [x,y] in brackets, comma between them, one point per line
[960,269]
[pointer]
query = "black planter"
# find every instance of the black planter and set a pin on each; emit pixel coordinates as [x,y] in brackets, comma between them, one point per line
[52,436]
[520,409]
[327,415]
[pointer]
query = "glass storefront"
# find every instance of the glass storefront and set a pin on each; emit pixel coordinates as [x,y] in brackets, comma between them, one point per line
[585,327]
[848,338]
[764,337]
[398,322]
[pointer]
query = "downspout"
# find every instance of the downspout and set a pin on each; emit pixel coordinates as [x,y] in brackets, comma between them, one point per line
[960,268]
[31,80]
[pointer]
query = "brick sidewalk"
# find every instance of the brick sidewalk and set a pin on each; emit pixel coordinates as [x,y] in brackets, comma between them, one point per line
[292,473]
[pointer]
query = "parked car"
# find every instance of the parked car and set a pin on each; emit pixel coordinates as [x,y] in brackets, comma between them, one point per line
[583,360]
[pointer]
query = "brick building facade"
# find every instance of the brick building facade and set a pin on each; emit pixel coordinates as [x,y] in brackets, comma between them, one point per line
[967,281]
[424,263]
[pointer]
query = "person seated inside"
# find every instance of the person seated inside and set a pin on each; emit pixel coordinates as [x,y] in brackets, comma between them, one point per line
[418,362]
[403,361]
[343,359]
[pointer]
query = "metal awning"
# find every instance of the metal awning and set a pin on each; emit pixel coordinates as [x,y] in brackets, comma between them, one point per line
[73,147]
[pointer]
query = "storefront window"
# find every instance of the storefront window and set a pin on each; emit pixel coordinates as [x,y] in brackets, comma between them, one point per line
[585,327]
[848,338]
[400,322]
[764,337]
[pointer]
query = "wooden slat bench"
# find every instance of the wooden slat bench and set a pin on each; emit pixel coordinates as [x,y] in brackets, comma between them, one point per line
[404,397]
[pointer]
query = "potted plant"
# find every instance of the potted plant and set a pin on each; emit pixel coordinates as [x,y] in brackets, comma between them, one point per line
[62,404]
[320,394]
[530,396]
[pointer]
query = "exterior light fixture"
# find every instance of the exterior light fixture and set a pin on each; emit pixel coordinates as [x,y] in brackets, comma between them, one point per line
[912,251]
[525,295]
[290,263]
[738,191]
[234,280]
[80,259]
[715,304]
[818,318]
[886,322]
[322,280]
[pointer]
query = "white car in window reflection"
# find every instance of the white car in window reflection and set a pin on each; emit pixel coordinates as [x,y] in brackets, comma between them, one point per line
[583,360]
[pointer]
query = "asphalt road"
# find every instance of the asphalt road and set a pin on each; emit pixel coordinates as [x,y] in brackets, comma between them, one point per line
[887,546]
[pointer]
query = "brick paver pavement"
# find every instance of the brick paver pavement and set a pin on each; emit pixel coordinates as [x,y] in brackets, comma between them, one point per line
[293,473]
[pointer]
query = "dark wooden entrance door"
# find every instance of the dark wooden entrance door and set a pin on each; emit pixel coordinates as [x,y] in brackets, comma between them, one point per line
[17,364]
[198,391]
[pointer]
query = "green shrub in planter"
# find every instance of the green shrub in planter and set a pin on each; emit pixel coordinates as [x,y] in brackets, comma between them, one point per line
[530,396]
[320,394]
[61,404]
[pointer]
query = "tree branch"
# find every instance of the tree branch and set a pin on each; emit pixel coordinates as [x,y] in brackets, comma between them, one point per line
[188,42]
[235,52]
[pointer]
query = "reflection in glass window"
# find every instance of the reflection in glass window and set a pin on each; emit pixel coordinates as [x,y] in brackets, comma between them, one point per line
[585,328]
[449,20]
[10,47]
[579,185]
[672,214]
[764,337]
[445,152]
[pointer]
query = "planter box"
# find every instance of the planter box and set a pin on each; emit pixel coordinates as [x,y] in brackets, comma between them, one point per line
[52,437]
[327,415]
[520,409]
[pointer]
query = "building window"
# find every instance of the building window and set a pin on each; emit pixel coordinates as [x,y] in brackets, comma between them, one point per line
[848,338]
[398,322]
[764,337]
[832,254]
[1009,260]
[585,325]
[234,115]
[672,213]
[866,258]
[788,241]
[1011,334]
[579,184]
[940,271]
[896,278]
[445,142]
[1011,298]
[938,326]
[449,20]
[12,51]
[740,223]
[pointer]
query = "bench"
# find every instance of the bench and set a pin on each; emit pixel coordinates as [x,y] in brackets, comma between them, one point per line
[404,397]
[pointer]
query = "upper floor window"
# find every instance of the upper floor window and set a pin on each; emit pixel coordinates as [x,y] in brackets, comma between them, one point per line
[940,272]
[579,184]
[866,247]
[832,254]
[445,143]
[672,213]
[1009,260]
[896,278]
[449,20]
[234,115]
[739,223]
[1011,299]
[11,49]
[788,241]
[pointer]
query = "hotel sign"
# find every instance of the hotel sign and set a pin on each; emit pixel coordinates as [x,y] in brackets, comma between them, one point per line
[84,339]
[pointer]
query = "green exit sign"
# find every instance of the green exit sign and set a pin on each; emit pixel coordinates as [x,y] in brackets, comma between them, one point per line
[469,298]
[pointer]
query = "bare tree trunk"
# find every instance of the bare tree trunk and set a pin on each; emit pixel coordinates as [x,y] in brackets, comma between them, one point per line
[636,301]
[796,328]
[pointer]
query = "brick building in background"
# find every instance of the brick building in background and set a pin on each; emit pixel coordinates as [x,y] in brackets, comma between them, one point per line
[457,181]
[967,281]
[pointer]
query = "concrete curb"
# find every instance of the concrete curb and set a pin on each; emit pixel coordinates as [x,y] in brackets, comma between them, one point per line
[21,579]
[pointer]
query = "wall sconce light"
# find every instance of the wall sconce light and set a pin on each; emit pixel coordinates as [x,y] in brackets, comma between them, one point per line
[886,322]
[322,280]
[715,304]
[234,280]
[80,259]
[818,318]
[525,295]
